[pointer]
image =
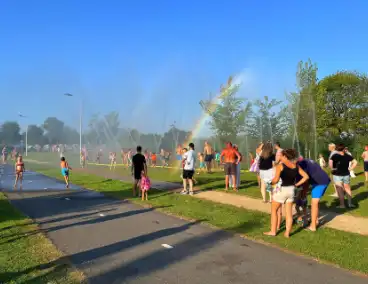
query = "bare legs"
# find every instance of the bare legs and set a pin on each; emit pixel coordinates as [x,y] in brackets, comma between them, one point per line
[341,189]
[366,176]
[276,220]
[314,214]
[263,192]
[66,179]
[18,177]
[135,186]
[144,195]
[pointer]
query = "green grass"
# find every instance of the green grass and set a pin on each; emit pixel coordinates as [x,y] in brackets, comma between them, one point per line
[26,256]
[347,250]
[215,181]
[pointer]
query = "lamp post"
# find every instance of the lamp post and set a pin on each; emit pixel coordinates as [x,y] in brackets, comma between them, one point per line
[80,122]
[23,116]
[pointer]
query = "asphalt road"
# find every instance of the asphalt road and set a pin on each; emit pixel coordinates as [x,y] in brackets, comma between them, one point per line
[117,242]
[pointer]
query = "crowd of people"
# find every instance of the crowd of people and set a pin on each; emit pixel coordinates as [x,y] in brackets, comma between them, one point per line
[284,177]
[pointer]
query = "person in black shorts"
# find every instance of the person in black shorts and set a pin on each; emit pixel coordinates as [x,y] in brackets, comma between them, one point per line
[188,169]
[138,165]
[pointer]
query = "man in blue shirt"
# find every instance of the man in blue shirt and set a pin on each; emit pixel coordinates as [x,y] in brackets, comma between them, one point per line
[319,181]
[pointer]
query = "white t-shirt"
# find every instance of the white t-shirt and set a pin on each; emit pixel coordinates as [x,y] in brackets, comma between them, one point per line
[189,160]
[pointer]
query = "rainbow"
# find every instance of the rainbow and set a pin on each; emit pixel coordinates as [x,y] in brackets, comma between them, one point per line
[232,83]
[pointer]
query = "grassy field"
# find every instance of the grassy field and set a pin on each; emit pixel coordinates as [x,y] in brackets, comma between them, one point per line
[344,249]
[26,257]
[215,181]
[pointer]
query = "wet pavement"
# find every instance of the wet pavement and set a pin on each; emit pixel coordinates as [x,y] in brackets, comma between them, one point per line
[32,181]
[114,241]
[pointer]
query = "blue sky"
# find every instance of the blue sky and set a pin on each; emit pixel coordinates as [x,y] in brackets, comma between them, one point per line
[154,60]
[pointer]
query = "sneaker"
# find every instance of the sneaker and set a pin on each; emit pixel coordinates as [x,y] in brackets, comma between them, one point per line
[184,192]
[351,206]
[191,193]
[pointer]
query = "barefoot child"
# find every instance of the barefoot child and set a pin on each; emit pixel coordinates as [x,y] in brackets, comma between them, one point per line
[19,169]
[145,185]
[65,170]
[202,164]
[113,160]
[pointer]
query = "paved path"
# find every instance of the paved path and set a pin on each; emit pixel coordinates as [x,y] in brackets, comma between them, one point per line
[117,242]
[343,222]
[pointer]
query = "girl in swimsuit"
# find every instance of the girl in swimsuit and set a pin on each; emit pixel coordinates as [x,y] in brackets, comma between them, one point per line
[113,160]
[65,170]
[19,169]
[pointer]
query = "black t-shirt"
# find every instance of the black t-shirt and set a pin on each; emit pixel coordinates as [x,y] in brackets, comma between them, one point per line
[341,164]
[138,162]
[266,164]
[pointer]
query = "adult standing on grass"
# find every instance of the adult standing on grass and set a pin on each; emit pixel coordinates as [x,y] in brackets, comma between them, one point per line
[266,170]
[286,171]
[332,150]
[341,167]
[138,165]
[230,157]
[319,181]
[237,184]
[189,159]
[365,159]
[208,155]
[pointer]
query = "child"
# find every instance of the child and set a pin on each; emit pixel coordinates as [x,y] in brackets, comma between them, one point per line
[83,159]
[322,161]
[217,159]
[202,164]
[301,204]
[145,186]
[154,160]
[19,169]
[113,160]
[65,170]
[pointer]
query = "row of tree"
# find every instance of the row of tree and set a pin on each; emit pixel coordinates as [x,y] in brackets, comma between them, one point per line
[320,111]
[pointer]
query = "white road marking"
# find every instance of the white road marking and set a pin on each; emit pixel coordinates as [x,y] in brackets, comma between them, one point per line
[167,246]
[102,215]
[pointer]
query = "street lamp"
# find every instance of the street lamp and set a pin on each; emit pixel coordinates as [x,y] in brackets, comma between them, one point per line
[80,122]
[23,116]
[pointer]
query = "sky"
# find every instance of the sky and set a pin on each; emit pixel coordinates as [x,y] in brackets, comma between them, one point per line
[153,61]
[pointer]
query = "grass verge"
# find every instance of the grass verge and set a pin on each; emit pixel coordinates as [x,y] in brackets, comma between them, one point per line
[29,258]
[215,181]
[344,249]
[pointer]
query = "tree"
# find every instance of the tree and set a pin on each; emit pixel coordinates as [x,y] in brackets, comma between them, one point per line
[267,124]
[70,136]
[35,135]
[54,129]
[10,132]
[342,104]
[229,114]
[301,109]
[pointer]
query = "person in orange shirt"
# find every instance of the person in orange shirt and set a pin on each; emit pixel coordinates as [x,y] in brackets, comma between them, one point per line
[153,159]
[65,170]
[230,157]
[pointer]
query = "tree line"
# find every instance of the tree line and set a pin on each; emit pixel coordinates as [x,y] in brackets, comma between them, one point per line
[320,111]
